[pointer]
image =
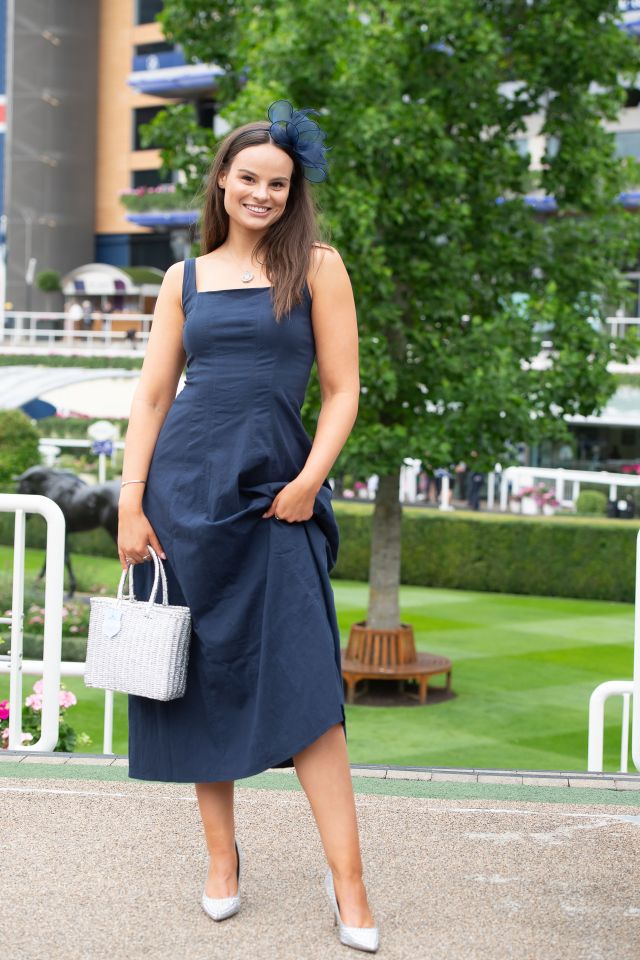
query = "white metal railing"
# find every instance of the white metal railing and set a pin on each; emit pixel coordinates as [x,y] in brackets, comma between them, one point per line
[21,504]
[51,667]
[520,477]
[29,330]
[629,690]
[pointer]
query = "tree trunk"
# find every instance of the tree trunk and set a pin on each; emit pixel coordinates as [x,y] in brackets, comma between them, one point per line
[384,566]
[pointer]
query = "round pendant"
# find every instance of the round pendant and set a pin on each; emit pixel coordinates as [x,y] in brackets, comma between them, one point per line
[247,276]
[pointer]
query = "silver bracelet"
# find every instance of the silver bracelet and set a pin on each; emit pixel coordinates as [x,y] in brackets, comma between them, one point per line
[125,482]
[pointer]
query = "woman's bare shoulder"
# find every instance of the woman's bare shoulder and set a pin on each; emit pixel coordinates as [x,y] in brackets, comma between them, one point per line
[323,256]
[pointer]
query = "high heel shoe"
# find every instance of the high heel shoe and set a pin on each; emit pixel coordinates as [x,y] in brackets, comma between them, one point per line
[361,938]
[219,908]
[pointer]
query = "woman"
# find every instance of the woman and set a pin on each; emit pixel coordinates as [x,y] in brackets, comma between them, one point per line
[228,488]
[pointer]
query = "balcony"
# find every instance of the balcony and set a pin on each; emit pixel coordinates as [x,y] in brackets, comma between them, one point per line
[160,206]
[166,74]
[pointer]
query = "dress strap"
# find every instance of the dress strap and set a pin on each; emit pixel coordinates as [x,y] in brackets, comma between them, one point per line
[188,283]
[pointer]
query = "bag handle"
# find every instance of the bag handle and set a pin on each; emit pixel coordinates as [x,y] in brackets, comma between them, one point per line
[158,572]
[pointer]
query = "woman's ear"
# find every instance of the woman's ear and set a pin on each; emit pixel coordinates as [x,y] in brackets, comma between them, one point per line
[222,179]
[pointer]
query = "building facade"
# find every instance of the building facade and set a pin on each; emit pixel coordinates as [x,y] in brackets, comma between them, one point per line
[83,77]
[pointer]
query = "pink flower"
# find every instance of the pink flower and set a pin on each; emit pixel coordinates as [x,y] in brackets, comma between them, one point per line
[38,686]
[67,699]
[73,629]
[5,733]
[4,709]
[34,701]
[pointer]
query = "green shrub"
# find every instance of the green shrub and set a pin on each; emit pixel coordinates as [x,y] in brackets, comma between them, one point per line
[559,557]
[592,503]
[18,447]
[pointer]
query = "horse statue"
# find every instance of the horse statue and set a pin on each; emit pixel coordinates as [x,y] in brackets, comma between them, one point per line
[85,506]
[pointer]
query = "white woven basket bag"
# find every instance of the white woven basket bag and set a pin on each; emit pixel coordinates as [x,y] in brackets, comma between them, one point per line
[138,646]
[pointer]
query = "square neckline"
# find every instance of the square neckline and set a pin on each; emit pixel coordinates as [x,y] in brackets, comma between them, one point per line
[222,289]
[201,293]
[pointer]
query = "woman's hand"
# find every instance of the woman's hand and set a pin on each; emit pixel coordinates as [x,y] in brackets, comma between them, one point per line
[135,533]
[294,502]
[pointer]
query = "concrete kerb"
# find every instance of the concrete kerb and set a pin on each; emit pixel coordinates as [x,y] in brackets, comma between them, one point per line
[573,786]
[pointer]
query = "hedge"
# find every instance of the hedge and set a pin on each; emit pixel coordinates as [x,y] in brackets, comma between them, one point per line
[592,559]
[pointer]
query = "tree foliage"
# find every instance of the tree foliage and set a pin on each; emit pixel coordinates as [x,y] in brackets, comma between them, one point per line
[458,283]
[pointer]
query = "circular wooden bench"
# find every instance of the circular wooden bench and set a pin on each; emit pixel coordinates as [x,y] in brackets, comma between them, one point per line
[389,655]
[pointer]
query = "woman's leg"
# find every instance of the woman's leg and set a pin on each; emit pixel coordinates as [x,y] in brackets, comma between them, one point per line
[216,809]
[324,772]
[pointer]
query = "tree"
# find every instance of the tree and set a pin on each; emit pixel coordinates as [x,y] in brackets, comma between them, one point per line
[49,282]
[19,447]
[456,280]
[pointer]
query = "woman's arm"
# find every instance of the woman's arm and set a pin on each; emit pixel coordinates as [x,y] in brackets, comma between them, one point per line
[335,330]
[163,363]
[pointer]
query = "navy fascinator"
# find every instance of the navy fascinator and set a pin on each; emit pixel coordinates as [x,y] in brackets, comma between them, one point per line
[296,132]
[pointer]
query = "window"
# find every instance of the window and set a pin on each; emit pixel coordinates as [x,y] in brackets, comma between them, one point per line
[141,116]
[627,144]
[205,113]
[146,49]
[146,10]
[632,97]
[522,146]
[553,145]
[149,178]
[151,250]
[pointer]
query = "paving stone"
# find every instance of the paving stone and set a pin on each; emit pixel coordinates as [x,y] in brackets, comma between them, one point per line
[545,781]
[455,777]
[627,784]
[36,759]
[498,778]
[409,775]
[91,761]
[597,784]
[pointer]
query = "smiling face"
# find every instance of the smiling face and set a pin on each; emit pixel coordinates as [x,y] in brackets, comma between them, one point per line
[256,185]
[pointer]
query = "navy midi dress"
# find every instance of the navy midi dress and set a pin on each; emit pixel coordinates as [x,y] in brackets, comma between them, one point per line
[264,678]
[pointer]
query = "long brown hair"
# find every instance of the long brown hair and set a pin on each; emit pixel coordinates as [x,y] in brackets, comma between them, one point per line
[285,248]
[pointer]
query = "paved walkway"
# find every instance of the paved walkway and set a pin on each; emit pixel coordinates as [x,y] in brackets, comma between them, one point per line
[96,865]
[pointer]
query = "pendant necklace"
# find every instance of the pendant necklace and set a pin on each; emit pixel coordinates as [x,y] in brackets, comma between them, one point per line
[247,276]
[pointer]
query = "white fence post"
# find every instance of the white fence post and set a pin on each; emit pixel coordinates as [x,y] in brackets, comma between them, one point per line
[19,504]
[624,688]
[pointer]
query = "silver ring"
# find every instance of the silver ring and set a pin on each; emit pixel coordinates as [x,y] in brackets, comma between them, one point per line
[277,517]
[147,556]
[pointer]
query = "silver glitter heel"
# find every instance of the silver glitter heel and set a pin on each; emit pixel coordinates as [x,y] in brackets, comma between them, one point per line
[360,938]
[219,908]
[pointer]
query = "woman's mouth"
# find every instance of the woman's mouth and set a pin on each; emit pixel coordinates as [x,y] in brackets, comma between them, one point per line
[256,210]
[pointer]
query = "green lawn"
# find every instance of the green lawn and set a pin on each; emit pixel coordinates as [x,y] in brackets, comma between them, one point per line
[523,671]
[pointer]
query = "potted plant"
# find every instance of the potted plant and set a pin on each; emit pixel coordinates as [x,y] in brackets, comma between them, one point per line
[536,499]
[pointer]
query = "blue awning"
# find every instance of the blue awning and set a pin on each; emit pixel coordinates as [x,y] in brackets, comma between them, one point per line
[630,200]
[164,218]
[176,81]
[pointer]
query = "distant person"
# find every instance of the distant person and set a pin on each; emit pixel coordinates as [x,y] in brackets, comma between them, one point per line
[87,315]
[107,310]
[461,471]
[476,479]
[73,315]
